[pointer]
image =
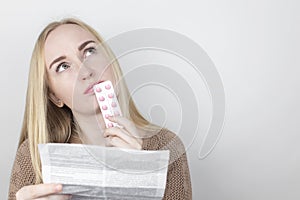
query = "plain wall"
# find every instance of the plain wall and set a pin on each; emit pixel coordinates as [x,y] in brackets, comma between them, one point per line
[254,46]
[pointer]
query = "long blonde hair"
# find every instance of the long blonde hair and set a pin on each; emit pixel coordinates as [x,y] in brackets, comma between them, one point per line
[43,121]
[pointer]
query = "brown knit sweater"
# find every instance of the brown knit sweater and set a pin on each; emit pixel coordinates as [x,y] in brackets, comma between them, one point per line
[178,179]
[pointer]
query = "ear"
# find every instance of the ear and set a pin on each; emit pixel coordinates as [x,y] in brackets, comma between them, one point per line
[55,100]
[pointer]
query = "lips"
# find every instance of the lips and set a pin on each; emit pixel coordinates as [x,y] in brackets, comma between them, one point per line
[90,89]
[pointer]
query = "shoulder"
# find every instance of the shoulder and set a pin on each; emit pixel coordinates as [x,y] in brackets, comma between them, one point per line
[178,179]
[23,161]
[160,139]
[23,149]
[23,153]
[165,140]
[22,173]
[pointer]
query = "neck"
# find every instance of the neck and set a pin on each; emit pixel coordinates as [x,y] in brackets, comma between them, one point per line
[91,128]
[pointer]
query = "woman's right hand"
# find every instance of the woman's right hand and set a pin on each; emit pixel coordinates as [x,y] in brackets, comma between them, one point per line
[41,192]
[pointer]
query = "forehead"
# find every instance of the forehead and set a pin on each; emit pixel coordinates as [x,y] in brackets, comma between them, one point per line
[64,39]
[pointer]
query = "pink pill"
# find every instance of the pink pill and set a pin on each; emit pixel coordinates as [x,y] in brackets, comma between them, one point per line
[104,107]
[111,95]
[98,89]
[110,125]
[113,104]
[107,87]
[106,116]
[101,98]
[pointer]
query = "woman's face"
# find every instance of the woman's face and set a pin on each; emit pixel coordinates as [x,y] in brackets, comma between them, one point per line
[67,50]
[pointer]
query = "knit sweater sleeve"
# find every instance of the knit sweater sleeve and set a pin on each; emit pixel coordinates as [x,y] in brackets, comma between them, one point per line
[178,185]
[22,173]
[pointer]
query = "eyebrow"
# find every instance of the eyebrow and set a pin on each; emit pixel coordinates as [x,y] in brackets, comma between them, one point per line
[57,60]
[79,49]
[84,44]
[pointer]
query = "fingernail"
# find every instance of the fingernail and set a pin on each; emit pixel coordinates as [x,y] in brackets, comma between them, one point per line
[58,188]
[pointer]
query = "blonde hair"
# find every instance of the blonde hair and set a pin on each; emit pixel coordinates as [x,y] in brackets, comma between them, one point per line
[43,121]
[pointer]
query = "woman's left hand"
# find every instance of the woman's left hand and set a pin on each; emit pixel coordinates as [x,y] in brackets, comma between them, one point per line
[126,137]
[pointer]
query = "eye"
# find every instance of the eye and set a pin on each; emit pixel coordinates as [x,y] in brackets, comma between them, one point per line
[62,67]
[89,51]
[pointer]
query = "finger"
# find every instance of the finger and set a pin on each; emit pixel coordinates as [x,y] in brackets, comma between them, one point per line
[123,134]
[117,142]
[36,191]
[126,123]
[56,197]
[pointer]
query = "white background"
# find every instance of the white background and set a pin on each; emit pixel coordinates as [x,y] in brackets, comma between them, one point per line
[254,45]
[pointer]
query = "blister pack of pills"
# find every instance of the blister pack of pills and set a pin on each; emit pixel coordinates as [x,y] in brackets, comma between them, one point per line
[108,102]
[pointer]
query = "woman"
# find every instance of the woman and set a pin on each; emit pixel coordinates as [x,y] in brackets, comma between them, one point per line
[61,108]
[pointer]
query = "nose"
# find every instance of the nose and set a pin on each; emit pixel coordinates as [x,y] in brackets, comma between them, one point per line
[85,72]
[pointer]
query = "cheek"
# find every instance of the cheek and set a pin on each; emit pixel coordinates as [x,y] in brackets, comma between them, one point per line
[103,69]
[108,75]
[63,90]
[66,95]
[85,105]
